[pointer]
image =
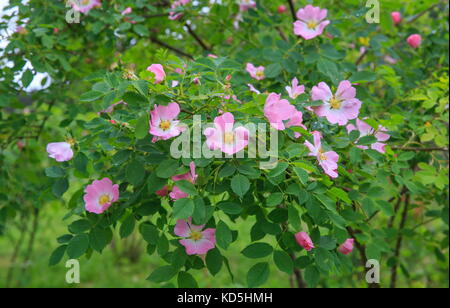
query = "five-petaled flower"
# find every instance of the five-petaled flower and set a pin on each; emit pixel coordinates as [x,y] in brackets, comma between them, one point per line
[311,22]
[225,137]
[60,151]
[256,72]
[367,130]
[85,6]
[196,240]
[339,107]
[100,195]
[163,123]
[327,160]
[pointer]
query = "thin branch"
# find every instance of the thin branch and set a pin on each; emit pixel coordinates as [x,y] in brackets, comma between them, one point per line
[174,49]
[417,149]
[197,38]
[399,244]
[414,18]
[292,8]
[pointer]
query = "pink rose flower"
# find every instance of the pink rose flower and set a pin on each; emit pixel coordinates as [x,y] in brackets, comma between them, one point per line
[253,89]
[245,5]
[311,22]
[163,192]
[327,160]
[158,70]
[396,17]
[296,120]
[173,15]
[366,130]
[128,10]
[337,108]
[85,6]
[60,151]
[163,123]
[304,240]
[414,40]
[100,195]
[196,240]
[295,90]
[256,72]
[213,56]
[347,247]
[281,9]
[278,110]
[191,176]
[225,137]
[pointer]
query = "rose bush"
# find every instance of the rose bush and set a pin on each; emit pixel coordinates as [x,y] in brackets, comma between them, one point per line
[359,110]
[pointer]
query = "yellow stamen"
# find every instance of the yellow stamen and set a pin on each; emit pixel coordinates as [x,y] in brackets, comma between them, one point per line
[322,155]
[104,200]
[335,103]
[311,25]
[85,2]
[164,125]
[196,235]
[259,74]
[228,138]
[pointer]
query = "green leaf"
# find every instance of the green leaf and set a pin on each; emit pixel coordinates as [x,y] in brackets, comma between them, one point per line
[127,226]
[60,187]
[185,280]
[274,199]
[142,127]
[167,169]
[187,187]
[283,261]
[57,255]
[55,172]
[149,233]
[27,78]
[240,184]
[163,274]
[99,238]
[341,194]
[363,76]
[273,70]
[183,208]
[230,207]
[80,162]
[79,226]
[257,250]
[327,243]
[224,237]
[135,172]
[91,96]
[258,275]
[367,140]
[312,276]
[78,246]
[405,156]
[278,170]
[214,261]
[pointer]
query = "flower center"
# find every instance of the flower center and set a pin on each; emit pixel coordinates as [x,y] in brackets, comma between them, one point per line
[311,25]
[228,138]
[196,235]
[260,74]
[335,103]
[104,199]
[322,155]
[164,125]
[85,2]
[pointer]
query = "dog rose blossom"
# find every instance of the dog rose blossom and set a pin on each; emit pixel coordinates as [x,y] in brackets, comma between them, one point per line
[338,108]
[311,22]
[396,17]
[278,110]
[85,6]
[60,151]
[295,90]
[304,240]
[159,72]
[256,72]
[327,160]
[225,137]
[347,247]
[190,176]
[366,130]
[196,240]
[100,195]
[414,40]
[163,123]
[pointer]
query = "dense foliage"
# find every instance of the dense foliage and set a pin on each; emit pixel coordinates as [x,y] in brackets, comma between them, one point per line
[388,193]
